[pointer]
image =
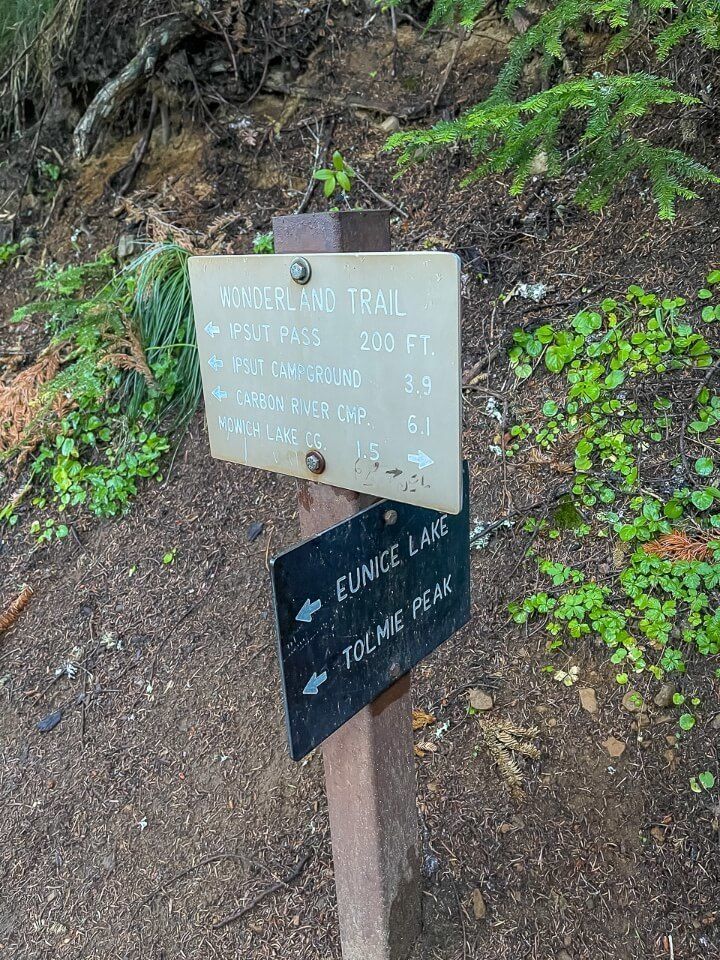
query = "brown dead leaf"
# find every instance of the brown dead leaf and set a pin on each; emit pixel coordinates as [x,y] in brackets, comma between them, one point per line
[421,719]
[478,904]
[615,747]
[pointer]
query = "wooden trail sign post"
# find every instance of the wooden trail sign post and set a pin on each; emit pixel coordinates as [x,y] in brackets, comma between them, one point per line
[338,361]
[369,762]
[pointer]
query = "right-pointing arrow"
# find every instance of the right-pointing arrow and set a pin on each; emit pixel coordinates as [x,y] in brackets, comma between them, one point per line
[421,459]
[307,610]
[313,685]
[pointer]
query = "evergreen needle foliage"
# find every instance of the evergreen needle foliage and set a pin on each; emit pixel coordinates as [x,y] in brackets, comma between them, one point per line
[526,135]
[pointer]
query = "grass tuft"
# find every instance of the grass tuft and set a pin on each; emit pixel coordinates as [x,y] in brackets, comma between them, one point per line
[163,318]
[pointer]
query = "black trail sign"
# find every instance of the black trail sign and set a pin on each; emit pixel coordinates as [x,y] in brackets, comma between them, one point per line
[362,603]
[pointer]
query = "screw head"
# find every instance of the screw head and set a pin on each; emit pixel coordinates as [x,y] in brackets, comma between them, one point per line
[390,517]
[314,461]
[300,270]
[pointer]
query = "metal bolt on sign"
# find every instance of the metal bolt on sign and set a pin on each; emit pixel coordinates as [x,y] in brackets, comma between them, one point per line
[300,270]
[369,762]
[315,461]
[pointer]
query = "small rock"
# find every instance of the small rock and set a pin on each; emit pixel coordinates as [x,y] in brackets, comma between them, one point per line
[128,246]
[664,697]
[390,125]
[615,747]
[588,699]
[564,955]
[658,834]
[539,164]
[49,722]
[716,722]
[478,903]
[480,699]
[254,531]
[632,702]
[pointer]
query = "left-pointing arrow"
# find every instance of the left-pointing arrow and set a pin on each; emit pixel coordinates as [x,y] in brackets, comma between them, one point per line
[307,610]
[210,329]
[313,685]
[215,362]
[219,394]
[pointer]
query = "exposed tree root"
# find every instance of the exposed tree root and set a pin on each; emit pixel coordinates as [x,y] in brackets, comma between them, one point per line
[161,42]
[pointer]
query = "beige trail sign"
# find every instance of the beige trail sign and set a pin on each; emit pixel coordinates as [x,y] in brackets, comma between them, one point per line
[342,368]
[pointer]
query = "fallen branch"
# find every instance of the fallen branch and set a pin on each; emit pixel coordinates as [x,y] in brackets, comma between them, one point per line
[293,875]
[106,103]
[410,112]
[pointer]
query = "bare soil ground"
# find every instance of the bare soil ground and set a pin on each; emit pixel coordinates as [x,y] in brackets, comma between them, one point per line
[164,800]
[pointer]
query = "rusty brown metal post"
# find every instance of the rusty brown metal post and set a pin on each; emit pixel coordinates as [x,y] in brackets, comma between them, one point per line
[369,762]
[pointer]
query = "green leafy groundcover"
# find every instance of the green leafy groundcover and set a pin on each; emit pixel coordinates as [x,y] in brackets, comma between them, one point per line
[129,378]
[631,401]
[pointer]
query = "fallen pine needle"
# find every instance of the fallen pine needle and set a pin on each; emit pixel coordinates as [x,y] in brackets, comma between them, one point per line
[679,546]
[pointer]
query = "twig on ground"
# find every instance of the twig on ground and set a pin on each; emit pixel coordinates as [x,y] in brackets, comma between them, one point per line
[379,196]
[448,70]
[532,308]
[266,61]
[141,149]
[30,164]
[293,875]
[548,501]
[228,44]
[394,29]
[181,874]
[307,196]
